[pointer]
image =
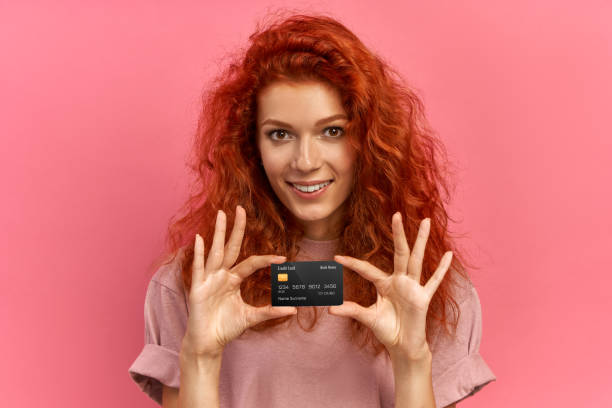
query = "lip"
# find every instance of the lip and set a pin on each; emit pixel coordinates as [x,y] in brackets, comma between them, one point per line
[310,183]
[310,196]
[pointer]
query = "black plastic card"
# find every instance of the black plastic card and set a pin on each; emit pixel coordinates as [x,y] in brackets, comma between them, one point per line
[310,283]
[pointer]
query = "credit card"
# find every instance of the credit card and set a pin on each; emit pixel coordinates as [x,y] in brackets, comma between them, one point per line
[308,283]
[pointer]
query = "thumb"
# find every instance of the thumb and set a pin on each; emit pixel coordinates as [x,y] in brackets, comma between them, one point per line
[364,315]
[268,312]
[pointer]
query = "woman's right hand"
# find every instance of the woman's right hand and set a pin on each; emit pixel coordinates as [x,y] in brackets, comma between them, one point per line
[217,313]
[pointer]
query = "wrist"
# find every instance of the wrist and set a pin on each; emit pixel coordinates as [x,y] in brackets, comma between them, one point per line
[189,352]
[420,357]
[412,376]
[199,363]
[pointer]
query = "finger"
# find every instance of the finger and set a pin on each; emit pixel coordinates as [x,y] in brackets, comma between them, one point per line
[215,255]
[363,268]
[257,315]
[401,249]
[365,315]
[197,266]
[432,284]
[255,262]
[232,249]
[415,263]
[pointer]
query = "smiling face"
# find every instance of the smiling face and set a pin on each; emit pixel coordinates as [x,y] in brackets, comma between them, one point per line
[300,135]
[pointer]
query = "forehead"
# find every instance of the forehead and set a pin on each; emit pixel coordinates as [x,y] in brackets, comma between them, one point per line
[297,100]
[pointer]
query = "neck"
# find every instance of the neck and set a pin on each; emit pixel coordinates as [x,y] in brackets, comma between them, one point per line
[325,229]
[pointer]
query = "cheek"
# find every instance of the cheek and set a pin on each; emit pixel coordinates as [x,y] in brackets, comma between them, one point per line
[343,160]
[273,161]
[265,152]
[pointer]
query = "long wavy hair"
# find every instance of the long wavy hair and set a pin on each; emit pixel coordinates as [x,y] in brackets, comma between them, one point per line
[397,166]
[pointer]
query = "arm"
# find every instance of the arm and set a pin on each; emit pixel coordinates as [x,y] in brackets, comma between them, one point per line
[170,397]
[199,383]
[199,379]
[413,382]
[217,313]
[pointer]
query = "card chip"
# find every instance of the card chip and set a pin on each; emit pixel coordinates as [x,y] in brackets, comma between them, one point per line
[283,277]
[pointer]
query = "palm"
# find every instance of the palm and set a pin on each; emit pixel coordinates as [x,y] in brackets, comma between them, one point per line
[217,312]
[398,318]
[399,298]
[217,303]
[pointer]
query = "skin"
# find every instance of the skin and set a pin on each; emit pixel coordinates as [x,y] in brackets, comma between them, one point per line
[301,149]
[398,317]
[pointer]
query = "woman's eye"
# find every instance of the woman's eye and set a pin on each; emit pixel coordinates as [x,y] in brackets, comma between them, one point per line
[338,131]
[281,134]
[276,131]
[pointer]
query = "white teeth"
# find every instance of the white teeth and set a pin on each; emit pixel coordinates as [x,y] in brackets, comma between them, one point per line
[310,189]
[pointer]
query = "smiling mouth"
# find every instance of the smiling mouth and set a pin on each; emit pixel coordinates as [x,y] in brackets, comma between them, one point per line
[308,189]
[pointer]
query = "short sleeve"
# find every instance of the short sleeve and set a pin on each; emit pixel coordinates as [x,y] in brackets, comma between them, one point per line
[458,369]
[165,322]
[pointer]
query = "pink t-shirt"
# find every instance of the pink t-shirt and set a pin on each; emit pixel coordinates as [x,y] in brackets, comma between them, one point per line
[291,367]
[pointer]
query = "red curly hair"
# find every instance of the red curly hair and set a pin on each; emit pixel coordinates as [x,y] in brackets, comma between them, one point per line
[396,167]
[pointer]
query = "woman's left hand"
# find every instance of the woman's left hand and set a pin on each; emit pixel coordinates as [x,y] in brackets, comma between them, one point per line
[398,318]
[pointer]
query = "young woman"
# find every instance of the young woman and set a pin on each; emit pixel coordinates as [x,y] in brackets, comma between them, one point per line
[310,149]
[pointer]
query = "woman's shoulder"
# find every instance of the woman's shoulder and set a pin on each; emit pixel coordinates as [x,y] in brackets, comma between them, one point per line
[462,288]
[464,308]
[168,273]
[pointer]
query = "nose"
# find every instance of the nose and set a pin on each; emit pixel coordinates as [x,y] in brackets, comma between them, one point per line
[307,155]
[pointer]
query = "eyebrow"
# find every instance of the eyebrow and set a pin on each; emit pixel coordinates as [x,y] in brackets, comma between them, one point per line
[320,122]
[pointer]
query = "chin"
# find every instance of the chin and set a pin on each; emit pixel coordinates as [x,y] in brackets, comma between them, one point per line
[310,215]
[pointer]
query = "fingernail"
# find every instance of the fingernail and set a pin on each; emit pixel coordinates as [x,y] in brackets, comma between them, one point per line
[279,258]
[339,257]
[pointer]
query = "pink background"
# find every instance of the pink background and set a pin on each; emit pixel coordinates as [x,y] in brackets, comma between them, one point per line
[98,104]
